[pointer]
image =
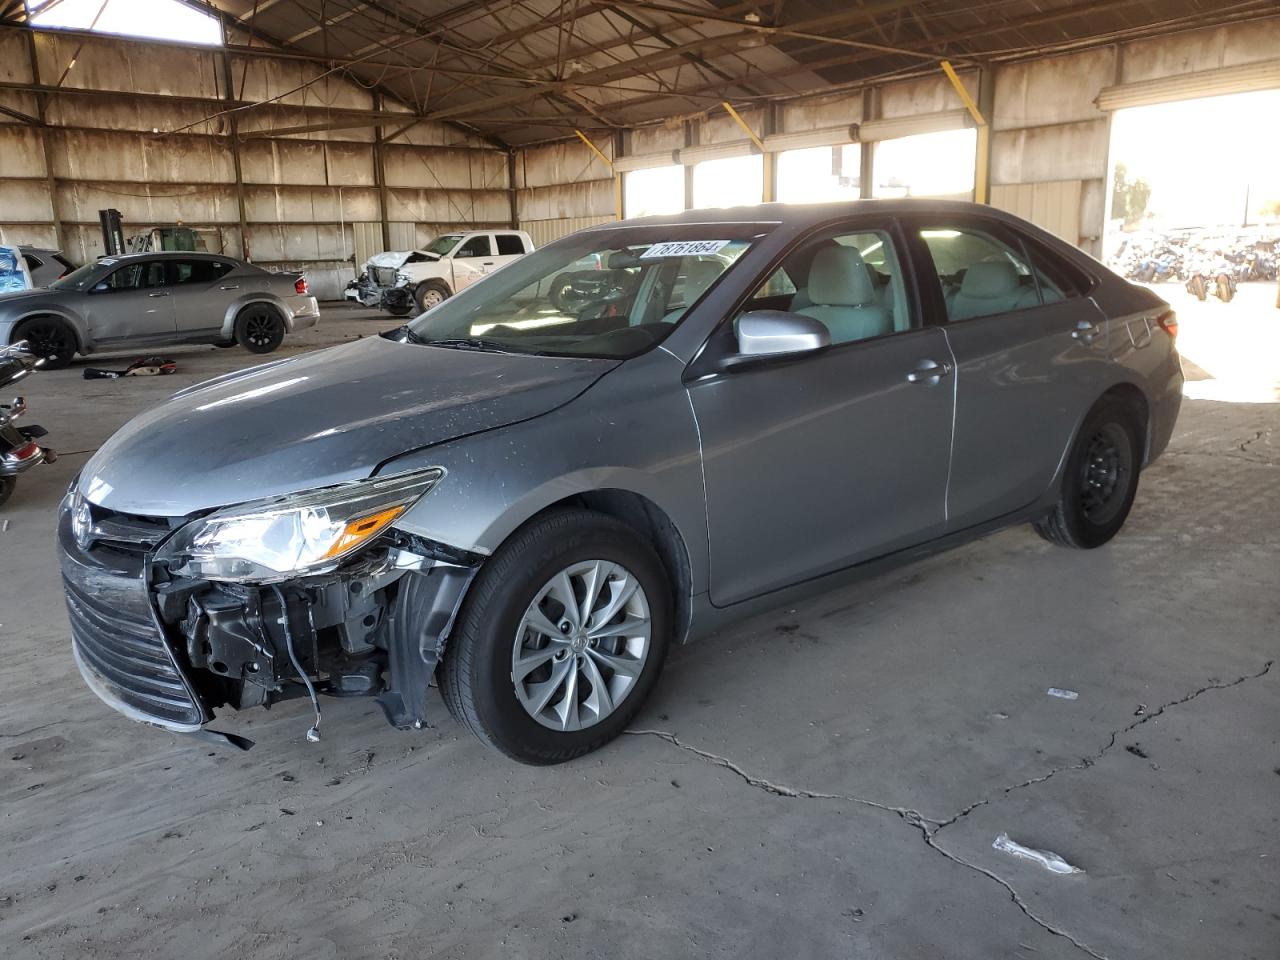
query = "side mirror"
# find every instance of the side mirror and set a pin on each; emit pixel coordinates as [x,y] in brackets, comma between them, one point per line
[775,334]
[101,287]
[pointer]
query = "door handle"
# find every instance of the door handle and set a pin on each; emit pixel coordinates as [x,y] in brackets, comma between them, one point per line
[160,294]
[1085,331]
[929,372]
[234,286]
[488,263]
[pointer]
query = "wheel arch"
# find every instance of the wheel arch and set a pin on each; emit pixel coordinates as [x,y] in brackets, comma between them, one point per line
[236,307]
[652,524]
[71,321]
[1126,392]
[1136,400]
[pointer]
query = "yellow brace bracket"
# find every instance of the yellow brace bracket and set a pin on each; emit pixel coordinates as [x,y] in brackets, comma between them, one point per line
[594,149]
[617,177]
[984,133]
[743,124]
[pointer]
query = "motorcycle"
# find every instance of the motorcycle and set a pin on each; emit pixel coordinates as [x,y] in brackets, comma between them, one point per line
[19,451]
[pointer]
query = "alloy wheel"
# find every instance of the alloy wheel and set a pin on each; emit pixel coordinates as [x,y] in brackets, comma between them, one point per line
[582,645]
[47,340]
[260,328]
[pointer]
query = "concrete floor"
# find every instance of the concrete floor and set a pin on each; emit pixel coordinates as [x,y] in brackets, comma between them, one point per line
[820,782]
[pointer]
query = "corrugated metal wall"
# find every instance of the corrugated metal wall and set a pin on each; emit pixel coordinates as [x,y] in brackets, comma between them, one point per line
[311,200]
[1049,139]
[563,187]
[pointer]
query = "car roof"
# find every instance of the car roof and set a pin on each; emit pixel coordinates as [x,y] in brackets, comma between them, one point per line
[806,214]
[162,254]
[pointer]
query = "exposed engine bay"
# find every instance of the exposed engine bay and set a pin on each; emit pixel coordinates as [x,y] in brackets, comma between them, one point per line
[374,627]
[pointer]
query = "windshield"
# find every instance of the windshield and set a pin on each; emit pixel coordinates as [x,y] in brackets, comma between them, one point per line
[76,279]
[601,293]
[441,246]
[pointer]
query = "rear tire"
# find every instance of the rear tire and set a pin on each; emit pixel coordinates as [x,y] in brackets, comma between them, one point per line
[259,328]
[1099,482]
[1224,291]
[517,588]
[49,338]
[6,488]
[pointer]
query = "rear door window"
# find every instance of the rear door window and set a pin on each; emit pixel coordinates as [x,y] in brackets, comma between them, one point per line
[982,273]
[509,245]
[185,272]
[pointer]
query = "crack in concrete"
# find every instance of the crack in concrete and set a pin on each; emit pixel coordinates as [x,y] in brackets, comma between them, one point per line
[1257,435]
[930,828]
[1085,762]
[913,817]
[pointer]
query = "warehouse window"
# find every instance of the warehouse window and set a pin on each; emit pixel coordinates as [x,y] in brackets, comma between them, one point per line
[653,191]
[728,182]
[926,165]
[156,19]
[819,174]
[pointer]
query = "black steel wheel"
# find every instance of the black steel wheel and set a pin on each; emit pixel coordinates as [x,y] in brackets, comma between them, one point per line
[49,338]
[6,488]
[1100,479]
[259,328]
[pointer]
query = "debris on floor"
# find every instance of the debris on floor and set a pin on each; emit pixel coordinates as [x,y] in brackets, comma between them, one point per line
[1046,858]
[142,367]
[1062,694]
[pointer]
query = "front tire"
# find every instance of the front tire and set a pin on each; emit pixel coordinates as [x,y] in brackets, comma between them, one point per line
[259,328]
[49,338]
[1100,480]
[430,293]
[561,638]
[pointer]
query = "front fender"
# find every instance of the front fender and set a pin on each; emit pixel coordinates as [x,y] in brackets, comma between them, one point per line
[10,319]
[631,431]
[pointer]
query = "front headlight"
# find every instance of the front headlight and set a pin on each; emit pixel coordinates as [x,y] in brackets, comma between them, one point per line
[402,278]
[270,540]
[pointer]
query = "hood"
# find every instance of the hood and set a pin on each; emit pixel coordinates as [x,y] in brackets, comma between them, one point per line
[397,258]
[323,418]
[19,297]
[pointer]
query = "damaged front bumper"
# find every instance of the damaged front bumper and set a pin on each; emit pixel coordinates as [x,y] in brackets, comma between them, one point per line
[168,651]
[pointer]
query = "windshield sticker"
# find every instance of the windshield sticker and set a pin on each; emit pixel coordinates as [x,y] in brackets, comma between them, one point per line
[684,248]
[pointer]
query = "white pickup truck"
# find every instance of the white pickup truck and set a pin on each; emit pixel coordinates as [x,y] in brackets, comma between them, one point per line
[438,271]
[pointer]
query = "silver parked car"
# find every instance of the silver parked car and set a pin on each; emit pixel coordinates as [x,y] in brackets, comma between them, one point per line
[45,265]
[153,298]
[532,503]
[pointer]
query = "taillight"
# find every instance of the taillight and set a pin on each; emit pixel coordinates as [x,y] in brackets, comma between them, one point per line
[24,452]
[300,287]
[1169,323]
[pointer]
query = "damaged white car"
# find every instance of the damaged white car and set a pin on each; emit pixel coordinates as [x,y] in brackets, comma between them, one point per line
[408,281]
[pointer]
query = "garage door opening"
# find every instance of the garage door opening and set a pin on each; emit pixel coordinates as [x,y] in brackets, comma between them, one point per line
[819,174]
[939,165]
[1194,211]
[728,182]
[657,190]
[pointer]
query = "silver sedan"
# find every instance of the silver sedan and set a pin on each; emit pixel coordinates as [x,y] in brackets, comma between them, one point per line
[531,496]
[155,298]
